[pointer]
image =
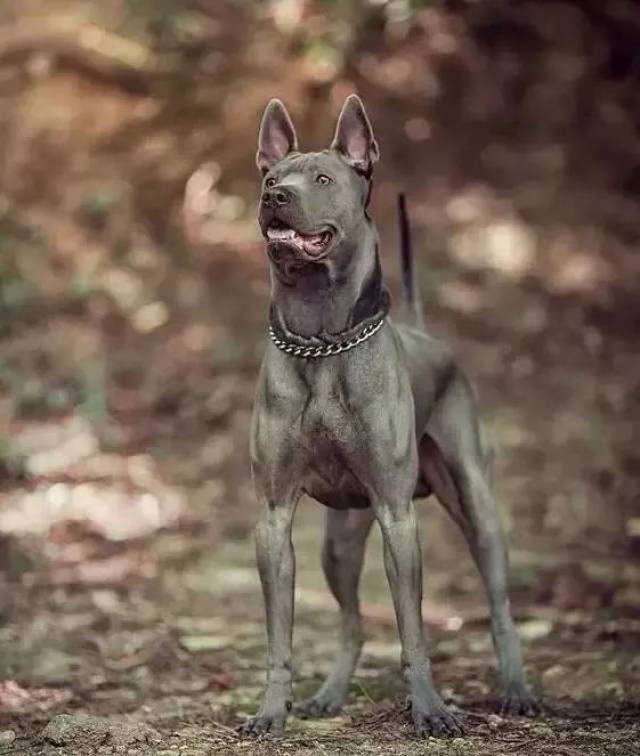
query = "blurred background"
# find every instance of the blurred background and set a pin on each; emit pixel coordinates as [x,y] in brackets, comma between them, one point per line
[131,331]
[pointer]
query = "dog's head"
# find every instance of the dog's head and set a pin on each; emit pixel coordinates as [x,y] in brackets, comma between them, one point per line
[313,203]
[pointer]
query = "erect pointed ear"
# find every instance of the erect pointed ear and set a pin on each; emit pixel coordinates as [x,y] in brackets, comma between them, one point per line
[354,138]
[277,136]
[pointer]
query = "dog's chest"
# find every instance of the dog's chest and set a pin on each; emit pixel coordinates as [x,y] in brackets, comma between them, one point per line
[328,439]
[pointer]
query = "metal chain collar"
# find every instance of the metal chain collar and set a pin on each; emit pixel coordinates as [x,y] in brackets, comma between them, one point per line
[295,350]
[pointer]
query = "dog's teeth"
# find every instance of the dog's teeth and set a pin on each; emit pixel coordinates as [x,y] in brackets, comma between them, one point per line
[281,233]
[312,243]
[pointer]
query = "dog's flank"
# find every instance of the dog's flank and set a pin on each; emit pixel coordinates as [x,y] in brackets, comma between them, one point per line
[364,430]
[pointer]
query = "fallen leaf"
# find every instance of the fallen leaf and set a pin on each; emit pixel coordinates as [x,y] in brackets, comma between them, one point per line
[220,681]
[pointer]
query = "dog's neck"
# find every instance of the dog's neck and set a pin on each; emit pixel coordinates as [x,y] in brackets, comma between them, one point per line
[333,296]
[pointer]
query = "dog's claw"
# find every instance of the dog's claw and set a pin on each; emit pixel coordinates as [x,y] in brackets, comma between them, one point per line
[318,706]
[262,724]
[437,723]
[520,703]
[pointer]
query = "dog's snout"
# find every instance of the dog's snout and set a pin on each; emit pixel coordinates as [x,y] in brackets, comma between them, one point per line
[276,196]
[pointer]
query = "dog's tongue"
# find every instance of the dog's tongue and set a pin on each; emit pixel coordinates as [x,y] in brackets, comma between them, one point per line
[311,243]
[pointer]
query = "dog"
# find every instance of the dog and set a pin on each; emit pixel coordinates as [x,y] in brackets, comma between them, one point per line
[364,415]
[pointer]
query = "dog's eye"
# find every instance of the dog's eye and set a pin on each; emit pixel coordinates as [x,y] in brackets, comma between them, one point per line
[270,182]
[322,179]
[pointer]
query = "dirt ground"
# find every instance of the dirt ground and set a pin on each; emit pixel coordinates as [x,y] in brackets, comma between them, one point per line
[131,617]
[173,666]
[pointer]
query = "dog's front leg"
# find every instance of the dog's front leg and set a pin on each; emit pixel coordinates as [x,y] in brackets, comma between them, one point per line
[276,565]
[403,565]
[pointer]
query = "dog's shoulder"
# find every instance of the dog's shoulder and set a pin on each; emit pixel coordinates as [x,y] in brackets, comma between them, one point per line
[422,350]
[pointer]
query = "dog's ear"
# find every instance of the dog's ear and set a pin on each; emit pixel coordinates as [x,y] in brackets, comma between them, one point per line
[277,136]
[354,138]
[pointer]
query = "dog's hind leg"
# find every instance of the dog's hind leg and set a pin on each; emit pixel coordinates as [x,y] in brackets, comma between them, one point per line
[454,463]
[345,538]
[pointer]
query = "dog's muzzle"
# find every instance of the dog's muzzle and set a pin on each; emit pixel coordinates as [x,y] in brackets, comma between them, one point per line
[276,197]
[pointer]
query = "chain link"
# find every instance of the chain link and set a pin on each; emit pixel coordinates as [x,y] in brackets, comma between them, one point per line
[295,350]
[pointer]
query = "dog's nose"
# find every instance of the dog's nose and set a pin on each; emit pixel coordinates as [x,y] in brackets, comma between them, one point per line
[277,196]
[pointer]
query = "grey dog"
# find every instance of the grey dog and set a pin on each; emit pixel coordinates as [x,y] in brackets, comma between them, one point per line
[362,414]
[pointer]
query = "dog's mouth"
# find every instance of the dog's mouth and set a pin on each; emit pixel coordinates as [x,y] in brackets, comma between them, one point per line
[313,245]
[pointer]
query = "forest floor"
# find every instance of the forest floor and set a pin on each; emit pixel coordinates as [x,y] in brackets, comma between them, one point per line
[172,667]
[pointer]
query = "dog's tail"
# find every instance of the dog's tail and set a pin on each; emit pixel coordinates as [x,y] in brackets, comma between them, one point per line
[411,295]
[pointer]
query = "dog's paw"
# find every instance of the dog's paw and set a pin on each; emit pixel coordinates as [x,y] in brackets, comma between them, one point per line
[262,724]
[437,722]
[519,702]
[328,704]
